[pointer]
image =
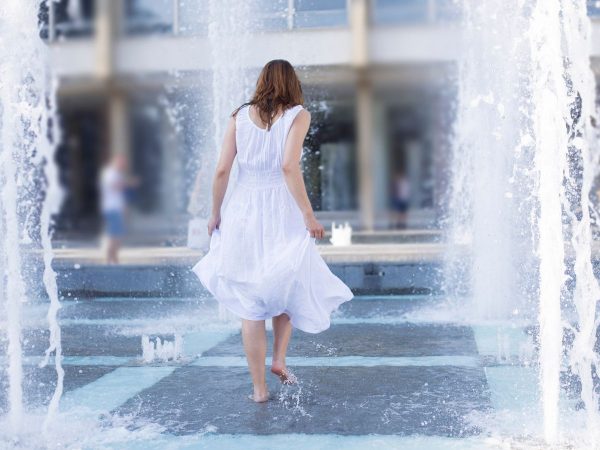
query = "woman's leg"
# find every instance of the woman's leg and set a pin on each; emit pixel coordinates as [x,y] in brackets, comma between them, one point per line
[112,256]
[282,331]
[255,345]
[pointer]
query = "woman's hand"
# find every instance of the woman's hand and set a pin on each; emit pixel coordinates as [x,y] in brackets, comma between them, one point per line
[313,226]
[213,224]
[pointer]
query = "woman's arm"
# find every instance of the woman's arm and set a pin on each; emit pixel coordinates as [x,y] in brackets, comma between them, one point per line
[293,174]
[228,152]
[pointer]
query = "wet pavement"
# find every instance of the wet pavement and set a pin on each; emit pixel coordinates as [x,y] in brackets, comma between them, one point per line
[382,371]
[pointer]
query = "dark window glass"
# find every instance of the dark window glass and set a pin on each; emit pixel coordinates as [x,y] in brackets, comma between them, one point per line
[319,5]
[270,14]
[593,7]
[395,12]
[320,13]
[72,18]
[148,16]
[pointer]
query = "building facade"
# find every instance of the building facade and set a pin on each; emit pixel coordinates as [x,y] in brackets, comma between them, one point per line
[379,78]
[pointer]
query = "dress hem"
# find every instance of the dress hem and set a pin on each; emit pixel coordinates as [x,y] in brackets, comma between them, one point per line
[296,323]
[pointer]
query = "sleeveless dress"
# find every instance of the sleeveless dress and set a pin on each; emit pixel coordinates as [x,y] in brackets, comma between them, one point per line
[262,261]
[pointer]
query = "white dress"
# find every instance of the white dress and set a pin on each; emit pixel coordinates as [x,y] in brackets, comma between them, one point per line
[262,261]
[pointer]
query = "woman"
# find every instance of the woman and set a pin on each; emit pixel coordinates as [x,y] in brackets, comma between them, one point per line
[263,262]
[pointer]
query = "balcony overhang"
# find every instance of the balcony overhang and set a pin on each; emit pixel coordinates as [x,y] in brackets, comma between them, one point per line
[310,50]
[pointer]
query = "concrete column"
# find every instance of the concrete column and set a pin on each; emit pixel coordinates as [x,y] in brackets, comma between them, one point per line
[359,24]
[364,118]
[109,16]
[380,156]
[118,122]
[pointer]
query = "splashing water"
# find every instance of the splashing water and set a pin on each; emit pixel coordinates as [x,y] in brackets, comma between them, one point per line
[228,33]
[524,165]
[27,174]
[161,350]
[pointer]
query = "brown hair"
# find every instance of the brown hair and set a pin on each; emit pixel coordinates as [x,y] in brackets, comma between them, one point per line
[277,88]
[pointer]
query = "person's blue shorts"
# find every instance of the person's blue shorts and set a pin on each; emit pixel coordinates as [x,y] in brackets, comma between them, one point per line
[401,205]
[114,223]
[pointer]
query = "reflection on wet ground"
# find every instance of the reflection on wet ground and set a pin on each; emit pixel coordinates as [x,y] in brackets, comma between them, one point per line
[380,375]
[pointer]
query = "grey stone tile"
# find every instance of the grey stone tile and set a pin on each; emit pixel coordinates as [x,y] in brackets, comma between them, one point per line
[371,340]
[383,307]
[39,383]
[81,340]
[347,401]
[134,309]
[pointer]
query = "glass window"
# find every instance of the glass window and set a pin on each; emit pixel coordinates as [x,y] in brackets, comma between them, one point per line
[329,162]
[270,14]
[390,12]
[593,7]
[72,18]
[399,11]
[319,5]
[320,13]
[194,16]
[148,16]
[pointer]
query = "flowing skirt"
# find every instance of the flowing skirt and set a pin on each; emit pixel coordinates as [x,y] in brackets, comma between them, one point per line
[262,261]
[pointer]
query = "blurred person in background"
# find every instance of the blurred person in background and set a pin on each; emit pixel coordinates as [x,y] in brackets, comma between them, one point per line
[114,188]
[401,199]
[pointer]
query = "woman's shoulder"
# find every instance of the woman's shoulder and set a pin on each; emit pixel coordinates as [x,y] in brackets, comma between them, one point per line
[240,109]
[240,114]
[298,111]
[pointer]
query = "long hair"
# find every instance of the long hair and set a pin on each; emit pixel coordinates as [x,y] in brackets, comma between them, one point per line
[277,89]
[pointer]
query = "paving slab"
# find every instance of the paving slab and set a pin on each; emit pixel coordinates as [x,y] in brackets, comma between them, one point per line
[39,383]
[385,306]
[342,401]
[82,340]
[407,339]
[135,308]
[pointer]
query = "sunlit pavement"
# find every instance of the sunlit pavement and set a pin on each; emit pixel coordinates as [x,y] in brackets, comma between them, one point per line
[385,374]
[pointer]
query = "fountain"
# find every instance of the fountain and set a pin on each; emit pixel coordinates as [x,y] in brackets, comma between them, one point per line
[228,31]
[161,350]
[341,235]
[27,173]
[521,211]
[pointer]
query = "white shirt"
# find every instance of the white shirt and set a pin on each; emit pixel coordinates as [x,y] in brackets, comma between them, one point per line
[112,193]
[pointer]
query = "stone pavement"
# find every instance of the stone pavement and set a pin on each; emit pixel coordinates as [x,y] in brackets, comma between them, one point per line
[387,374]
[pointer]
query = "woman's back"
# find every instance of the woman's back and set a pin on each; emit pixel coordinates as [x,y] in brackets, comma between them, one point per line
[260,150]
[263,262]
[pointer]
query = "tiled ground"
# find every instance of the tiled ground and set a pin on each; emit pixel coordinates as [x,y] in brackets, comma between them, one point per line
[373,375]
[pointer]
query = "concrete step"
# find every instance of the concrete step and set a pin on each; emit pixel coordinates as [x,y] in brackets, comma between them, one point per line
[165,271]
[179,281]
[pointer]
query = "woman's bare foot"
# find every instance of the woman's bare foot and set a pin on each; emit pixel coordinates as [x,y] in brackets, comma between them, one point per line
[262,399]
[260,395]
[285,376]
